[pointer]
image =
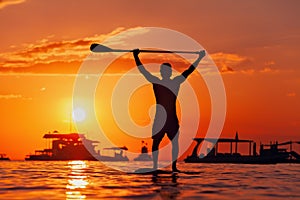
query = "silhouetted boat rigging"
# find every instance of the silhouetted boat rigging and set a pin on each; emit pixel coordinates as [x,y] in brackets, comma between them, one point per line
[268,154]
[73,146]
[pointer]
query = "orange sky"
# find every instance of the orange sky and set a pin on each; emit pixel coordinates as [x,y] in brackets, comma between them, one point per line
[255,45]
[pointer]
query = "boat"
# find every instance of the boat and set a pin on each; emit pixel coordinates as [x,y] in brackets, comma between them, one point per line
[3,157]
[268,154]
[71,146]
[274,148]
[143,156]
[118,154]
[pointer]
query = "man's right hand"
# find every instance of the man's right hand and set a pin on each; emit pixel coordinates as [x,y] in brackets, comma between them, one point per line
[136,52]
[201,54]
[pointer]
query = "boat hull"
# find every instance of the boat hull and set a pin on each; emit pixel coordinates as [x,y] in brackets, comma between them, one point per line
[89,158]
[143,157]
[239,159]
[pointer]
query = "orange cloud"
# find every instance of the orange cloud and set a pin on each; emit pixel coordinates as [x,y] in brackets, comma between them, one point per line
[65,57]
[226,69]
[268,70]
[229,62]
[44,52]
[5,3]
[291,94]
[234,63]
[45,56]
[13,96]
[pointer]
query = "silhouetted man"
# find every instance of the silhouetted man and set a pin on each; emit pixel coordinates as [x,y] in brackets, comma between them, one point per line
[165,91]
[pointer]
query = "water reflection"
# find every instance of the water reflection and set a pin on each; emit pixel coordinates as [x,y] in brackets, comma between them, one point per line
[77,180]
[168,186]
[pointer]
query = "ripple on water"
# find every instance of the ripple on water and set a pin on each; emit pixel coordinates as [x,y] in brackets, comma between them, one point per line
[84,180]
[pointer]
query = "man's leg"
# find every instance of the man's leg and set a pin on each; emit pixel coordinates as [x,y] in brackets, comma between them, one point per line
[155,146]
[175,150]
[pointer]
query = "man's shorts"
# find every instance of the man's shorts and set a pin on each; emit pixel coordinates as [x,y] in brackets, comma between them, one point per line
[171,131]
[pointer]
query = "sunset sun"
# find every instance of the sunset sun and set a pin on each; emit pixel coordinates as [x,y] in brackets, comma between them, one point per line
[78,114]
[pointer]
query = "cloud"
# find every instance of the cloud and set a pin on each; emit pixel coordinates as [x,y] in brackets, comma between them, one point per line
[46,52]
[235,63]
[248,71]
[65,57]
[268,70]
[13,96]
[10,96]
[291,94]
[229,62]
[5,3]
[226,69]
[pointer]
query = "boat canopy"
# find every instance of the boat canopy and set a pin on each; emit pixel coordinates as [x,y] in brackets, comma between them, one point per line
[224,140]
[68,136]
[74,136]
[116,148]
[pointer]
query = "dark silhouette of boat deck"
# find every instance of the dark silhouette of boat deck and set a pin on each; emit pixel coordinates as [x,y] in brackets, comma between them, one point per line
[74,146]
[118,154]
[3,157]
[268,154]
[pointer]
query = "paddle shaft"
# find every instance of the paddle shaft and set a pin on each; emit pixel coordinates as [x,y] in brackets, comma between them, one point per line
[155,51]
[98,48]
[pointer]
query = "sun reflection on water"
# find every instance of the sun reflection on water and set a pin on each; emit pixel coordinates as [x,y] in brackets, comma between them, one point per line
[77,181]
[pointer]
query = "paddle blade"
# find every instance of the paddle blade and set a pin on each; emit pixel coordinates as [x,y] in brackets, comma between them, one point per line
[99,48]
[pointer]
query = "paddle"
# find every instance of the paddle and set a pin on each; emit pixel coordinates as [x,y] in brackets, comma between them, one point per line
[99,48]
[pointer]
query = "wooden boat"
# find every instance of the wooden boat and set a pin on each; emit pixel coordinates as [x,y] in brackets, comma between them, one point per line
[269,154]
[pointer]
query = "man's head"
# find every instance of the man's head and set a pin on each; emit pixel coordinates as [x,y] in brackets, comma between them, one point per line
[166,70]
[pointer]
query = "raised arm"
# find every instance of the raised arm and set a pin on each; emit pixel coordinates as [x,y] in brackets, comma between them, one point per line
[142,69]
[187,72]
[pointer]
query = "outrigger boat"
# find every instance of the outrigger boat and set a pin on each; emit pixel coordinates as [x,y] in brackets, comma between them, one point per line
[73,146]
[268,154]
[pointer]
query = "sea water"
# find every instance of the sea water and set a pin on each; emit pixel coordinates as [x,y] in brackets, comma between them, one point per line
[95,180]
